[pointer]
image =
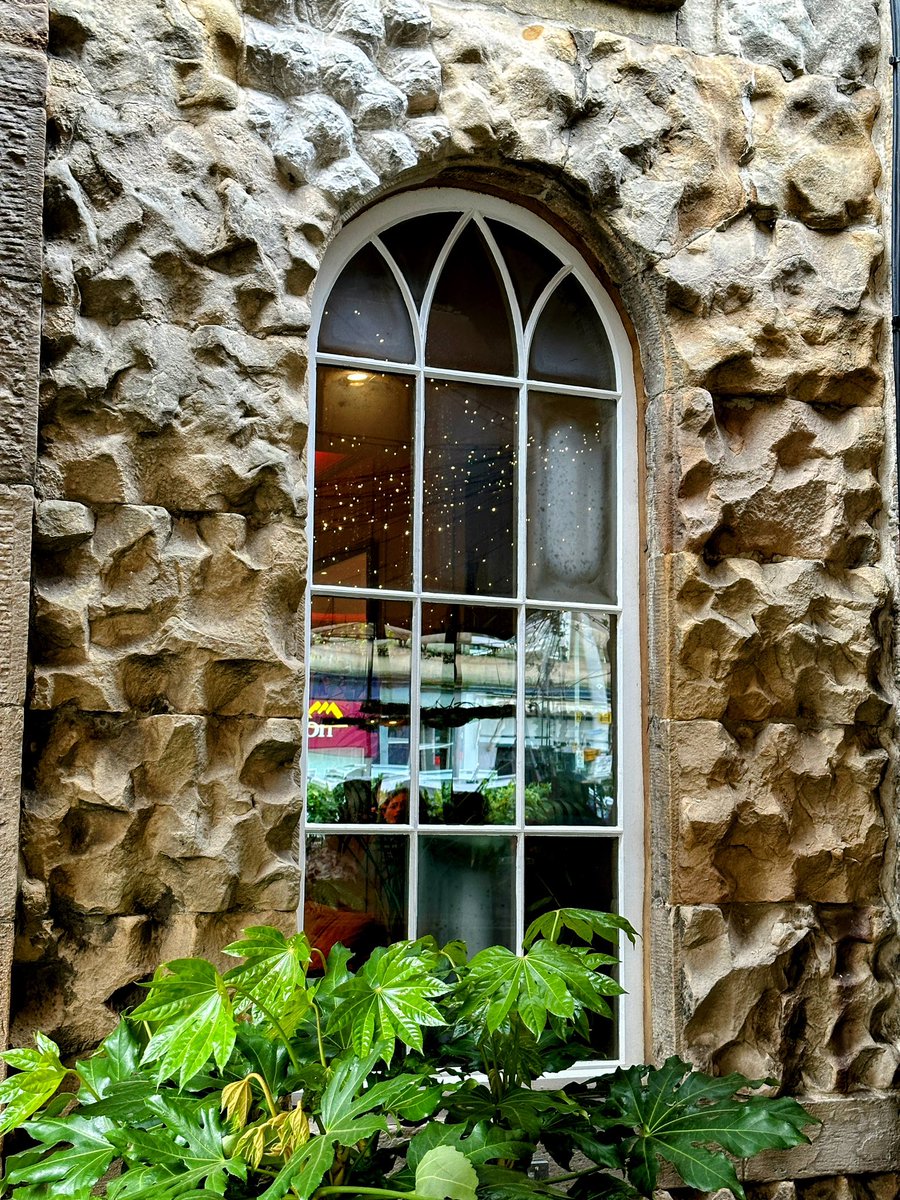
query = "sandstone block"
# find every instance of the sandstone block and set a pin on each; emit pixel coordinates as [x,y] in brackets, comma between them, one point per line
[10,795]
[792,991]
[20,315]
[771,480]
[159,613]
[23,23]
[778,641]
[166,814]
[23,75]
[806,36]
[61,524]
[15,543]
[776,814]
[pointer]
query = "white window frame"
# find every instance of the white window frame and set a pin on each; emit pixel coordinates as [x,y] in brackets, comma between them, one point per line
[629,831]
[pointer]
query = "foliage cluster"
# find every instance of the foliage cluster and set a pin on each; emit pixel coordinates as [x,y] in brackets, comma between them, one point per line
[410,1079]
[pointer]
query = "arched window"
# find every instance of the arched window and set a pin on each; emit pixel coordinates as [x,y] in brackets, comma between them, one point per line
[474,738]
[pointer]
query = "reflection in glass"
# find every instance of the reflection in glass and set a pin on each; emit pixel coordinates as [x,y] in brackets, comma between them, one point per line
[570,343]
[570,776]
[469,489]
[366,315]
[363,477]
[571,517]
[469,328]
[358,719]
[468,728]
[355,891]
[414,246]
[575,872]
[531,266]
[467,890]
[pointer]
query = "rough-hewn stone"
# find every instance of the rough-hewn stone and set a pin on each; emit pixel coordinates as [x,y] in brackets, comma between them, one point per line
[724,169]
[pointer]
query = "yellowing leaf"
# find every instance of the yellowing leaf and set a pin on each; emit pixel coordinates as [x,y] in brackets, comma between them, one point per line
[445,1174]
[236,1100]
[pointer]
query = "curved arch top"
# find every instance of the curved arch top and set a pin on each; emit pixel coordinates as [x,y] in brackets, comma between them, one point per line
[540,286]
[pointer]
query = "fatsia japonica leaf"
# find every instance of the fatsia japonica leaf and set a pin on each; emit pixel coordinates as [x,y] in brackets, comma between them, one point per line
[115,1062]
[190,1007]
[304,1172]
[84,1160]
[40,1072]
[583,922]
[390,998]
[274,966]
[444,1173]
[484,1144]
[676,1113]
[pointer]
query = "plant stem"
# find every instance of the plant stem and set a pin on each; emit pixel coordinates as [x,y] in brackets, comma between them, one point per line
[575,1174]
[85,1083]
[295,1062]
[315,1009]
[268,1095]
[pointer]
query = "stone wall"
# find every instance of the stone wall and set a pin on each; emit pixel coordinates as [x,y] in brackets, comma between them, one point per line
[722,162]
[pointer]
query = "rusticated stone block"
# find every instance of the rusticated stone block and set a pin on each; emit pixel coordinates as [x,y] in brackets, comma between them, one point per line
[779,479]
[151,413]
[159,613]
[86,974]
[16,505]
[775,641]
[780,312]
[20,336]
[10,795]
[776,813]
[23,81]
[793,991]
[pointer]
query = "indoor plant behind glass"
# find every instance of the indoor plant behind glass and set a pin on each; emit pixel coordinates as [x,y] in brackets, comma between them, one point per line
[412,1077]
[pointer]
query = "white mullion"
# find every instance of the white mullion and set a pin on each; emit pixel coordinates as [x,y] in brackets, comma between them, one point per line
[400,279]
[538,309]
[452,239]
[414,727]
[520,778]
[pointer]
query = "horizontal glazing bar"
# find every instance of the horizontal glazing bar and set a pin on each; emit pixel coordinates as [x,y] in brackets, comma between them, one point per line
[379,366]
[333,827]
[324,589]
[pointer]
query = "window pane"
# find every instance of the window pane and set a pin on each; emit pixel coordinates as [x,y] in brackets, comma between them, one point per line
[468,727]
[575,872]
[469,328]
[571,498]
[415,245]
[469,489]
[355,891]
[467,890]
[359,697]
[569,731]
[365,315]
[531,266]
[363,479]
[570,344]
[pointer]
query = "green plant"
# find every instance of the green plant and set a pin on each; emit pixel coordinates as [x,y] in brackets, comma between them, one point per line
[410,1080]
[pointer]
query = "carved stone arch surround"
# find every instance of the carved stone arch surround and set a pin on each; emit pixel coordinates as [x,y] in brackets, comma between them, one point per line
[201,157]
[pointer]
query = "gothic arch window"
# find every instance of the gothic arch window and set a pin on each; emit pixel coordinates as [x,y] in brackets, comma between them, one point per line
[474,746]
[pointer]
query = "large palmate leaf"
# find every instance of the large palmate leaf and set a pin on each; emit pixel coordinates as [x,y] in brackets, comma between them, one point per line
[677,1114]
[304,1172]
[116,1061]
[274,966]
[484,1144]
[583,922]
[389,998]
[183,1152]
[193,1017]
[40,1073]
[85,1159]
[445,1173]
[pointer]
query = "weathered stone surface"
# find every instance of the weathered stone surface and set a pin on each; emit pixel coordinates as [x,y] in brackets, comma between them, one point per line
[776,641]
[828,37]
[20,316]
[23,78]
[776,812]
[10,794]
[798,992]
[159,613]
[15,543]
[61,524]
[23,23]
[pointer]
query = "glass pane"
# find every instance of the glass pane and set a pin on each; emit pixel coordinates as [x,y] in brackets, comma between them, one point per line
[570,344]
[469,489]
[569,728]
[571,517]
[359,697]
[355,891]
[415,245]
[575,872]
[467,890]
[531,266]
[469,328]
[365,315]
[467,745]
[363,479]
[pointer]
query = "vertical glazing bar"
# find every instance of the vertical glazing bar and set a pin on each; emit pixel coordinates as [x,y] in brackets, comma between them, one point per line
[307,644]
[415,684]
